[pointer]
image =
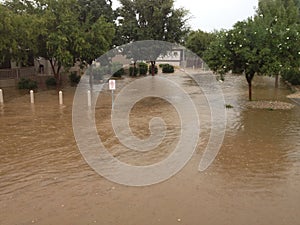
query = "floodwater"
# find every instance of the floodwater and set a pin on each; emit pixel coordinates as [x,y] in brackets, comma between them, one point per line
[255,178]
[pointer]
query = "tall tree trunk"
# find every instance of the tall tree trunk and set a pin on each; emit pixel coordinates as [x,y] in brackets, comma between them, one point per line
[249,77]
[277,81]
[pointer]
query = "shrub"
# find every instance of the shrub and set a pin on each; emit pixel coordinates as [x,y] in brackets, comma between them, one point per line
[143,68]
[74,78]
[161,65]
[133,71]
[292,76]
[167,68]
[119,73]
[50,82]
[27,84]
[98,72]
[117,69]
[155,69]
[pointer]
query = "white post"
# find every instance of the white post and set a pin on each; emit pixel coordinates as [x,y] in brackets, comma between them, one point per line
[1,96]
[60,98]
[112,87]
[31,97]
[89,96]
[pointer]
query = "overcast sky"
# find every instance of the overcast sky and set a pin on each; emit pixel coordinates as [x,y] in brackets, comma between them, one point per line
[209,15]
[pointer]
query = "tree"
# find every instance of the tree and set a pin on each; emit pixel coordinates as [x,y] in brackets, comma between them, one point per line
[198,41]
[17,40]
[217,56]
[238,50]
[65,30]
[151,20]
[279,20]
[267,44]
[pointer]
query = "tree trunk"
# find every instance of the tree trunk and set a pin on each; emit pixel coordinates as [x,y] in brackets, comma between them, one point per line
[56,73]
[249,78]
[277,81]
[250,90]
[153,68]
[134,68]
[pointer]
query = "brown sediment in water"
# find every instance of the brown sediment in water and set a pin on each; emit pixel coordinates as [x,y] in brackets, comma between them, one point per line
[255,178]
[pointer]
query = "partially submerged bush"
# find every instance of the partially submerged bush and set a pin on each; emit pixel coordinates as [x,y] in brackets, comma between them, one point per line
[133,71]
[51,82]
[167,68]
[26,83]
[117,69]
[143,68]
[74,78]
[155,69]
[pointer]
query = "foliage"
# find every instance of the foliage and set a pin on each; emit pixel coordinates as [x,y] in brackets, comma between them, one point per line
[199,41]
[17,39]
[143,68]
[133,71]
[117,69]
[151,20]
[61,31]
[98,72]
[74,78]
[51,81]
[26,83]
[167,68]
[155,69]
[292,76]
[267,44]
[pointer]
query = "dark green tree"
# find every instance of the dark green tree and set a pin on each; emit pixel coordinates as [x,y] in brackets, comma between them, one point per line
[140,20]
[198,41]
[64,31]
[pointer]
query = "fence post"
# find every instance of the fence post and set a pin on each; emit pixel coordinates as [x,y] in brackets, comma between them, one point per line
[60,98]
[31,97]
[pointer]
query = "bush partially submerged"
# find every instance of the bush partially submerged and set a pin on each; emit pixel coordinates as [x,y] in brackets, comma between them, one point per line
[74,78]
[167,68]
[26,83]
[51,82]
[143,68]
[155,69]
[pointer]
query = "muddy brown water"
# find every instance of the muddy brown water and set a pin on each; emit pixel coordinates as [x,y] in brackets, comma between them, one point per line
[255,178]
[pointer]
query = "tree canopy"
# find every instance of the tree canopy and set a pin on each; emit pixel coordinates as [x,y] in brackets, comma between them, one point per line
[267,43]
[61,31]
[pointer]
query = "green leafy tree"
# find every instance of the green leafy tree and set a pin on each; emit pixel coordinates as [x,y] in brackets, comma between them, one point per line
[64,31]
[140,20]
[266,44]
[279,20]
[17,40]
[217,56]
[198,41]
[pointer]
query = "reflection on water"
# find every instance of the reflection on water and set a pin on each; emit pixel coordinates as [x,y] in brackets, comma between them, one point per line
[254,180]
